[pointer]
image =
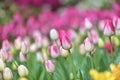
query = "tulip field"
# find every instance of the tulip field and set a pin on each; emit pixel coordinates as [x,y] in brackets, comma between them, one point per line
[59,40]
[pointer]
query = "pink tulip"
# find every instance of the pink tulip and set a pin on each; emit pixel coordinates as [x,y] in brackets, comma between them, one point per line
[64,40]
[17,43]
[108,47]
[94,35]
[50,67]
[22,57]
[6,45]
[109,29]
[3,55]
[9,54]
[116,22]
[53,51]
[40,57]
[88,24]
[88,44]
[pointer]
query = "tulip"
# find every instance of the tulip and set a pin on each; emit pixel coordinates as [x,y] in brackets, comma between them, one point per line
[24,47]
[53,34]
[94,35]
[2,65]
[22,57]
[45,56]
[22,78]
[9,55]
[53,51]
[22,71]
[17,43]
[109,29]
[45,42]
[3,55]
[7,74]
[100,43]
[64,40]
[82,49]
[38,41]
[110,49]
[88,44]
[64,53]
[40,57]
[6,45]
[50,67]
[72,34]
[88,24]
[116,22]
[101,25]
[33,47]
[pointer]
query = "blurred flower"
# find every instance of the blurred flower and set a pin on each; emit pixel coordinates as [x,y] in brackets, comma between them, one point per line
[22,57]
[50,67]
[3,55]
[64,40]
[88,24]
[53,34]
[100,43]
[94,35]
[45,56]
[116,40]
[17,43]
[88,44]
[33,47]
[82,49]
[72,34]
[22,78]
[7,74]
[9,55]
[45,42]
[24,47]
[116,22]
[40,57]
[101,25]
[22,71]
[2,65]
[53,51]
[109,29]
[63,52]
[6,45]
[108,47]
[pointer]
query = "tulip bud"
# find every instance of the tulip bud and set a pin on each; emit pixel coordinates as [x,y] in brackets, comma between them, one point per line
[72,34]
[109,48]
[53,34]
[53,51]
[3,55]
[63,52]
[7,74]
[71,76]
[40,57]
[22,78]
[109,29]
[38,41]
[88,24]
[45,42]
[101,25]
[116,40]
[64,40]
[50,67]
[82,49]
[18,43]
[100,43]
[2,65]
[45,56]
[24,47]
[22,71]
[22,57]
[6,45]
[116,22]
[9,55]
[88,44]
[94,35]
[33,47]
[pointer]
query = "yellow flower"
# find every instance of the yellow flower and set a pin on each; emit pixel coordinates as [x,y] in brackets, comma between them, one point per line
[114,74]
[22,78]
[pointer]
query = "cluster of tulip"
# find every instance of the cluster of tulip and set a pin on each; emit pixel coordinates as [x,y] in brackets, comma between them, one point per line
[47,49]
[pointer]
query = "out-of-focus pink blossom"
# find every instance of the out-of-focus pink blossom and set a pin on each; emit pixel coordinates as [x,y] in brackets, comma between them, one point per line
[109,29]
[94,35]
[109,48]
